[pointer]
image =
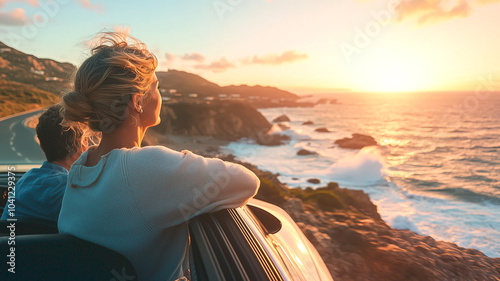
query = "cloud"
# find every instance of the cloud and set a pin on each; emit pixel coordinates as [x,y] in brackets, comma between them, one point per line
[486,2]
[194,56]
[220,65]
[87,5]
[461,10]
[169,56]
[169,59]
[431,11]
[14,18]
[273,59]
[33,3]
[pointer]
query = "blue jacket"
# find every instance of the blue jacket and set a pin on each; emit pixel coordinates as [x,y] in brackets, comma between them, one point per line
[39,193]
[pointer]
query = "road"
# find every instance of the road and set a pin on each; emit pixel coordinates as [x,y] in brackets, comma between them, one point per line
[17,142]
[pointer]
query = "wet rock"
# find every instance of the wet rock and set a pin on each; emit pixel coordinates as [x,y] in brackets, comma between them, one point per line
[281,118]
[308,123]
[322,130]
[315,181]
[304,152]
[357,141]
[283,127]
[271,139]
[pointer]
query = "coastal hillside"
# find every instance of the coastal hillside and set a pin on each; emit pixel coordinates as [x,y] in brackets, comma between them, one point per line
[188,83]
[260,91]
[27,80]
[18,97]
[46,74]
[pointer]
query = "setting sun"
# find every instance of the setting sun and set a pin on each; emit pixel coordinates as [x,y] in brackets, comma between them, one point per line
[391,75]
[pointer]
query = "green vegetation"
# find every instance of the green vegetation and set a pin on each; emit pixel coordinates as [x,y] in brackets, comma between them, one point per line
[329,198]
[17,97]
[270,192]
[325,200]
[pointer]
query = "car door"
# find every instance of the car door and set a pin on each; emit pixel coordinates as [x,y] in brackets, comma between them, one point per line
[255,242]
[224,248]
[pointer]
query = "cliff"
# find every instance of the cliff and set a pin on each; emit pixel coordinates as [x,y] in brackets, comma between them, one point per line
[357,245]
[223,120]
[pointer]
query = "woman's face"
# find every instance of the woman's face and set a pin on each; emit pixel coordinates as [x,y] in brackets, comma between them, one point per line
[151,105]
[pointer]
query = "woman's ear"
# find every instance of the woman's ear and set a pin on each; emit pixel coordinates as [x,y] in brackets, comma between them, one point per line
[136,103]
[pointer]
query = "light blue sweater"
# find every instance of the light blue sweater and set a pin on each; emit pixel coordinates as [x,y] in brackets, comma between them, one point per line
[137,201]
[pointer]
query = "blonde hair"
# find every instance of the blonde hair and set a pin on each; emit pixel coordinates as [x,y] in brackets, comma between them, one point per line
[119,67]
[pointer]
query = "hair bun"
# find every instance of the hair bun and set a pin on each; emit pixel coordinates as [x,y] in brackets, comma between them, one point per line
[76,107]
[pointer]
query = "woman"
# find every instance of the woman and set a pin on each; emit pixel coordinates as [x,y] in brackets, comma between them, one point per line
[136,200]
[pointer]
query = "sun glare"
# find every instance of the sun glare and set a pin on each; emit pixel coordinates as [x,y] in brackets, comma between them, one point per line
[391,76]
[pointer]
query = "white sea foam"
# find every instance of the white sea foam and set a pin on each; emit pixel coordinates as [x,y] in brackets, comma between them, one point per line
[367,167]
[401,222]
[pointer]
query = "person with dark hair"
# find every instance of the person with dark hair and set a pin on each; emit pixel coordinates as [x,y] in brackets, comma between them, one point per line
[40,191]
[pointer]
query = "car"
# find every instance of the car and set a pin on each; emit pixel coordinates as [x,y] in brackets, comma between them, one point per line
[258,241]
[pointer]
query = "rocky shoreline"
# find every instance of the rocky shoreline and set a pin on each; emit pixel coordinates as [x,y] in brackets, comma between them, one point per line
[357,245]
[351,237]
[343,224]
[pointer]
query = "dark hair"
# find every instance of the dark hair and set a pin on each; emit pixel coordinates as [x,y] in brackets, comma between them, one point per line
[57,142]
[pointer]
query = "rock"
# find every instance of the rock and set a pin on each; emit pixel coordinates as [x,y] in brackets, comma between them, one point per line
[315,181]
[303,152]
[357,141]
[271,139]
[294,205]
[281,118]
[362,202]
[308,123]
[322,130]
[212,150]
[283,127]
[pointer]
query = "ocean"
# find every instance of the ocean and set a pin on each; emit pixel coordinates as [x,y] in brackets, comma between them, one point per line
[436,170]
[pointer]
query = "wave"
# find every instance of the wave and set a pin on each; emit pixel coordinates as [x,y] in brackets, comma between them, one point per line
[466,195]
[403,222]
[423,183]
[367,167]
[294,134]
[476,178]
[485,147]
[475,160]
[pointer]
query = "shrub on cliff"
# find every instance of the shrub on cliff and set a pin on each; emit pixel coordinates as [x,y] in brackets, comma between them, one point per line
[325,200]
[270,192]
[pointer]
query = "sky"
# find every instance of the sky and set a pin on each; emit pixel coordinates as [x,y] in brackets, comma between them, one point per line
[313,46]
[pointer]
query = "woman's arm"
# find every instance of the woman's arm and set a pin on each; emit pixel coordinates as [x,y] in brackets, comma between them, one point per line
[177,186]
